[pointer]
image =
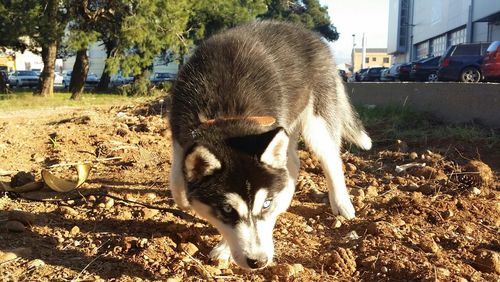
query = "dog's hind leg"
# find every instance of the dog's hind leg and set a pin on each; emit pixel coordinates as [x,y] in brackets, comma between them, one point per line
[323,141]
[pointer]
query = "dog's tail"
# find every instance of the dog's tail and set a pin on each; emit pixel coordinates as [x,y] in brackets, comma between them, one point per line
[353,129]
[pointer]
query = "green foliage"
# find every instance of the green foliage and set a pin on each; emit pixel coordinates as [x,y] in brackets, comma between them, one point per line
[309,13]
[152,27]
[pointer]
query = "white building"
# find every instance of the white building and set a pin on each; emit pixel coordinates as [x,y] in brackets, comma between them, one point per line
[97,60]
[422,28]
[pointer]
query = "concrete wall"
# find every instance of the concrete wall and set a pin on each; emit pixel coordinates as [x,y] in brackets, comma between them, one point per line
[451,102]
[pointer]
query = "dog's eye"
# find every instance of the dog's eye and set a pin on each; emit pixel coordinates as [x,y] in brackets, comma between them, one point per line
[227,209]
[267,204]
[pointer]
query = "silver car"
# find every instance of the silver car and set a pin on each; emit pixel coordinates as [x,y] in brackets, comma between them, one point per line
[23,79]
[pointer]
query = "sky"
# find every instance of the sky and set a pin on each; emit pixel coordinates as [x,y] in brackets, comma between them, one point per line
[357,17]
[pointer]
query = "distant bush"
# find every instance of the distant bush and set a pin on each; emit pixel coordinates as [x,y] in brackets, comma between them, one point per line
[144,87]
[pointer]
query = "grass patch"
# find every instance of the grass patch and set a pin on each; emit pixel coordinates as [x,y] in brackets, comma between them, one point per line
[391,123]
[26,100]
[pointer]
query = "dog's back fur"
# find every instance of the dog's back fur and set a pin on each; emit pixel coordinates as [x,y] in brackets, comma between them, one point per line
[260,69]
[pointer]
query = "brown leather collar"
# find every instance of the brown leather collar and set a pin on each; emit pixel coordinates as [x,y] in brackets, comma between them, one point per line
[261,120]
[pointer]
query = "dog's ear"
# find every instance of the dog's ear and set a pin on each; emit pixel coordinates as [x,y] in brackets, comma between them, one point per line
[275,154]
[200,162]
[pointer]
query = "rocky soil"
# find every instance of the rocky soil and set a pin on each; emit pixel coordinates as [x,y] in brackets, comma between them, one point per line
[437,220]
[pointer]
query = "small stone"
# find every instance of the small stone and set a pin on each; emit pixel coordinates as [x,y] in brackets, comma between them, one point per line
[475,191]
[22,216]
[110,202]
[149,213]
[68,211]
[336,224]
[358,193]
[298,268]
[92,198]
[384,269]
[413,156]
[429,245]
[127,215]
[283,270]
[174,279]
[350,167]
[36,263]
[308,229]
[15,226]
[150,196]
[371,191]
[164,271]
[75,230]
[443,272]
[189,248]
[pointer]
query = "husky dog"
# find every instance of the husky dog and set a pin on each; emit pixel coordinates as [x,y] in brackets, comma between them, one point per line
[238,108]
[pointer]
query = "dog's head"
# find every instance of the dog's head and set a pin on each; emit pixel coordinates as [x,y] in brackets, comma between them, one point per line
[240,186]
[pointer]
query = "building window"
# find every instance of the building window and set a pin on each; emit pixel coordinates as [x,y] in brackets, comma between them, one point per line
[374,59]
[438,45]
[457,37]
[386,60]
[422,50]
[367,60]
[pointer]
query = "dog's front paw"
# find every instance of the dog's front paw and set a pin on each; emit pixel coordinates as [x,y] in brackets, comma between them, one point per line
[221,252]
[343,206]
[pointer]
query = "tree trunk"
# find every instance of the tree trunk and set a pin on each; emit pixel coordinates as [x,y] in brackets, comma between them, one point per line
[46,83]
[105,77]
[3,82]
[79,74]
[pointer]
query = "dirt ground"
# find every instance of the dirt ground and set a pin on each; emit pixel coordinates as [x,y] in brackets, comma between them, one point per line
[438,222]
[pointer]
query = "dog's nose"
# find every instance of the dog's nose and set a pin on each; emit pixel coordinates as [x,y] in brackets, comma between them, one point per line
[256,263]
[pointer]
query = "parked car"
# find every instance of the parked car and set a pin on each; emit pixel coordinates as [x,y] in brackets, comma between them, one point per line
[357,75]
[119,79]
[163,76]
[462,62]
[425,70]
[372,74]
[384,75]
[343,75]
[91,81]
[490,67]
[390,74]
[403,72]
[23,79]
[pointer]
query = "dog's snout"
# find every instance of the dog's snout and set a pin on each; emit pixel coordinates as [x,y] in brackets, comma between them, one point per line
[256,263]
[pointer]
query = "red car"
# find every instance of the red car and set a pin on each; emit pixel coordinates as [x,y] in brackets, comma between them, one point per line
[490,67]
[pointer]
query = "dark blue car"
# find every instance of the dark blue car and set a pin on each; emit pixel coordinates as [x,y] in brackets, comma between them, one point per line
[462,62]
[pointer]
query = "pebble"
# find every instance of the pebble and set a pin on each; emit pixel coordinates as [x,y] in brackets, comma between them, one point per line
[173,279]
[149,213]
[110,202]
[92,198]
[351,167]
[36,263]
[443,271]
[384,269]
[68,211]
[15,226]
[429,245]
[150,196]
[413,156]
[189,248]
[475,191]
[283,270]
[371,191]
[308,229]
[75,230]
[337,224]
[298,268]
[22,216]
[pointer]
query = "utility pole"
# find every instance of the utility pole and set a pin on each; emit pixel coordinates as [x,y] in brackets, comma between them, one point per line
[353,51]
[363,55]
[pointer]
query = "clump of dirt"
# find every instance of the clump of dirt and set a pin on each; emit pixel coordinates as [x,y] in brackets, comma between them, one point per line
[436,221]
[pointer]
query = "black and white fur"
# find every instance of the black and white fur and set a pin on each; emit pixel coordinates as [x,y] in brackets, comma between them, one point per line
[238,174]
